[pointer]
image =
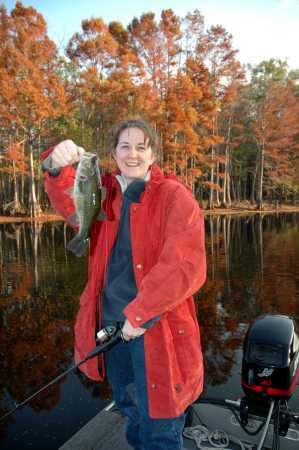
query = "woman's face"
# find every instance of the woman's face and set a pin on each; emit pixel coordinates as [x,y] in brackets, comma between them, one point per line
[133,155]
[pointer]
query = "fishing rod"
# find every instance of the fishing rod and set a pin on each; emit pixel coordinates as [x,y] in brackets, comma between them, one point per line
[106,338]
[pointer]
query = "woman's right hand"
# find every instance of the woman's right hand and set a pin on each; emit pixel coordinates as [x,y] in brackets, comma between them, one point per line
[66,153]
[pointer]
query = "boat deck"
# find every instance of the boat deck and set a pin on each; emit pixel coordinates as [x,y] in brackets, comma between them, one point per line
[106,431]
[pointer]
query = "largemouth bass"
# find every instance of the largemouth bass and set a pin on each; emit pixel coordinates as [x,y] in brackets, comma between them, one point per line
[87,199]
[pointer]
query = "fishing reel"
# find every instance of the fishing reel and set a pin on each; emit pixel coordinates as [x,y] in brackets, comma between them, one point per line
[107,333]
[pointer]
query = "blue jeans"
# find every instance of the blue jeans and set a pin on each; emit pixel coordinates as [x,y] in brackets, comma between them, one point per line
[125,366]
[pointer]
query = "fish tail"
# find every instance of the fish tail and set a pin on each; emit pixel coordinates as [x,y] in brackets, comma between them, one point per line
[78,245]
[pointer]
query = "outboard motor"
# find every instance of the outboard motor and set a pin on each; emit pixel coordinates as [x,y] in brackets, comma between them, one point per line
[270,366]
[270,373]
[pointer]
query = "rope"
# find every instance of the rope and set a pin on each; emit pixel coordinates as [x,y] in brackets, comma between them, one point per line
[260,446]
[216,438]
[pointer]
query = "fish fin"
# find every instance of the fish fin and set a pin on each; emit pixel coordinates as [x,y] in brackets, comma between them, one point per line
[98,173]
[78,245]
[73,220]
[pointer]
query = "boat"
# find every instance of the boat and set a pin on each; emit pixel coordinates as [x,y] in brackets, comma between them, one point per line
[216,423]
[261,419]
[211,423]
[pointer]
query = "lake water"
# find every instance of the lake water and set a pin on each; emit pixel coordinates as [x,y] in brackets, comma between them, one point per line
[253,269]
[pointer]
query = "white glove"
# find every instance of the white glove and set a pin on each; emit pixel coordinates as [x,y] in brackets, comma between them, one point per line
[66,153]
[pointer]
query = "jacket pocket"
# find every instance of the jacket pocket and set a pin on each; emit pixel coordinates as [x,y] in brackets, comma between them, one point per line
[186,342]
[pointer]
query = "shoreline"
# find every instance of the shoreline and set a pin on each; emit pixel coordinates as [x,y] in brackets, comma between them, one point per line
[247,212]
[52,217]
[41,218]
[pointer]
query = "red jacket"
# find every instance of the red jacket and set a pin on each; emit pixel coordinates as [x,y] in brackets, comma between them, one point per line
[167,234]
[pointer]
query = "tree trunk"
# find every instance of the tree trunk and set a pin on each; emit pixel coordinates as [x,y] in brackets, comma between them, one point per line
[261,176]
[212,179]
[252,193]
[211,196]
[218,184]
[34,207]
[226,184]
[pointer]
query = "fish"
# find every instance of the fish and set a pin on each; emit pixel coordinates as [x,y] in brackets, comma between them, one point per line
[87,196]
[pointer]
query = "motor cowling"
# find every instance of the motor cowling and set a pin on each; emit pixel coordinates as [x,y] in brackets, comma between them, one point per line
[270,366]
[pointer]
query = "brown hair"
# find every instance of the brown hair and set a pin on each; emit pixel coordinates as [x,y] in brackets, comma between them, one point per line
[148,131]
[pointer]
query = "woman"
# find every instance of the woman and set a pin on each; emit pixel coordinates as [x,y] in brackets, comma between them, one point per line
[147,259]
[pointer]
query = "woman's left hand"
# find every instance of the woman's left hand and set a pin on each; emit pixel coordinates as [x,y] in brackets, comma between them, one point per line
[129,332]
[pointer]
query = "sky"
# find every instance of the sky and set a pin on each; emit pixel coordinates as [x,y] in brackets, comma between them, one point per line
[261,29]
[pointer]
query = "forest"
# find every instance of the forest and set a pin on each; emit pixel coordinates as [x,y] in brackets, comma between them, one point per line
[230,132]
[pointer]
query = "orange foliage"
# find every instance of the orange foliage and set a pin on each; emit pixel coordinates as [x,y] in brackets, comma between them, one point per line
[276,129]
[15,155]
[184,79]
[30,86]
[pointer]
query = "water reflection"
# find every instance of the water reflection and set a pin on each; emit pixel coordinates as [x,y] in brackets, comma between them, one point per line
[253,266]
[253,269]
[40,284]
